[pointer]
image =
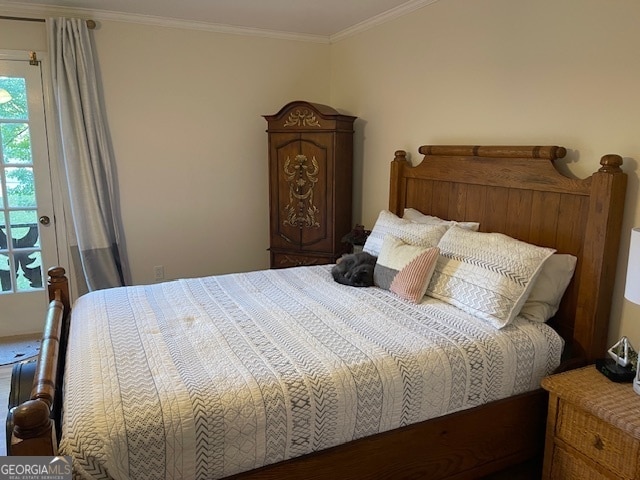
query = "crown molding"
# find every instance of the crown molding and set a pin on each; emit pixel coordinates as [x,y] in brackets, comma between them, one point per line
[384,17]
[44,11]
[208,27]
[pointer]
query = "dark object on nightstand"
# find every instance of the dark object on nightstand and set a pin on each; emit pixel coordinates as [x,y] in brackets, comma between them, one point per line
[614,372]
[356,237]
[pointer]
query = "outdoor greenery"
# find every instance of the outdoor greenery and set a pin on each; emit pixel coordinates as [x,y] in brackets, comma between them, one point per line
[19,187]
[16,145]
[16,109]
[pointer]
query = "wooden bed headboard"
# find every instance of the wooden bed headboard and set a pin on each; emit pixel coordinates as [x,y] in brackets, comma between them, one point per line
[516,190]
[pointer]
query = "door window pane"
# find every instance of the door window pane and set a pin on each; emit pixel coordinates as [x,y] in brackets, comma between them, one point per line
[5,266]
[29,270]
[16,143]
[14,104]
[3,234]
[24,229]
[5,275]
[20,187]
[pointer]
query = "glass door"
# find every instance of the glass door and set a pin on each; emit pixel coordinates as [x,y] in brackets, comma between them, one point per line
[27,231]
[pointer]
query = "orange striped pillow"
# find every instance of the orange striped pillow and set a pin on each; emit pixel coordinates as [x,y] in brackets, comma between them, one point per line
[405,269]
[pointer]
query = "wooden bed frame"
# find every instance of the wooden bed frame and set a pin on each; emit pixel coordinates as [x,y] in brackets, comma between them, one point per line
[513,190]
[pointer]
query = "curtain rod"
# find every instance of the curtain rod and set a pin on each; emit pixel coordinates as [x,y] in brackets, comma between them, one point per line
[91,24]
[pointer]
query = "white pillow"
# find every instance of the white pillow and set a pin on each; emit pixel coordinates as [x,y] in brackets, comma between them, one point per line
[548,289]
[416,216]
[412,233]
[488,275]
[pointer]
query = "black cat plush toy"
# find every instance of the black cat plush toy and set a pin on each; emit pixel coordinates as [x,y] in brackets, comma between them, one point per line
[355,269]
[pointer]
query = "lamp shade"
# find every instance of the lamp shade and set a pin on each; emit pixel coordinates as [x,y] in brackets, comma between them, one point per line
[632,286]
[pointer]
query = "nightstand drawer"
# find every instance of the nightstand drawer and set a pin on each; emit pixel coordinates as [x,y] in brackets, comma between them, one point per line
[569,465]
[597,440]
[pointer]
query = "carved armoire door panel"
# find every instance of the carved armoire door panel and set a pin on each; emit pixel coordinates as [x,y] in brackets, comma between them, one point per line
[303,199]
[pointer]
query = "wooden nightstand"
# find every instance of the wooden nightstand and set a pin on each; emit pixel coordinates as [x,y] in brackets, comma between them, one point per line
[593,427]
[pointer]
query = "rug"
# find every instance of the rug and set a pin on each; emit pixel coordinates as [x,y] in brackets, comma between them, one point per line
[18,348]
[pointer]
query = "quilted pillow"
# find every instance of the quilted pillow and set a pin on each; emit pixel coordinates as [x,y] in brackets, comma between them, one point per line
[412,233]
[545,297]
[405,269]
[416,216]
[488,275]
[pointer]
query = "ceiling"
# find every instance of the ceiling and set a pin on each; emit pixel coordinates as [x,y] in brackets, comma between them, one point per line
[322,18]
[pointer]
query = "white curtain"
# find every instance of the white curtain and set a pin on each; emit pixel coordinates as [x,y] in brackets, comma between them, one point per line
[87,163]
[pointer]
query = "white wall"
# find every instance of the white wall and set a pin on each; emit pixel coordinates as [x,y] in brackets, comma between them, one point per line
[499,72]
[185,111]
[185,115]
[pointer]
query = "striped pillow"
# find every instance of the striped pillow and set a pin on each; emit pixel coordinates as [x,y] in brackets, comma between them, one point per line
[405,269]
[488,275]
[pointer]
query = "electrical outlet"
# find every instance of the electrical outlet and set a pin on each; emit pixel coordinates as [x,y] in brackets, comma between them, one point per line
[158,272]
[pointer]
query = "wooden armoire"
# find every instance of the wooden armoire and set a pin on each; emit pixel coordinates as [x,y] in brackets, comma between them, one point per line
[310,183]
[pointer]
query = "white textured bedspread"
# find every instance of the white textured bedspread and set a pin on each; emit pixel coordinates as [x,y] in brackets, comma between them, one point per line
[204,378]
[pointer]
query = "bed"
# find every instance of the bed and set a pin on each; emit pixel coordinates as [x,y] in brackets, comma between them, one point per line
[485,424]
